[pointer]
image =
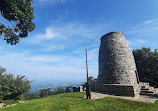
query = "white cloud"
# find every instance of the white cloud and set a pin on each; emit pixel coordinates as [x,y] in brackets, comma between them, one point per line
[147,22]
[73,30]
[57,52]
[146,27]
[64,32]
[42,59]
[49,33]
[144,34]
[138,42]
[93,54]
[45,66]
[56,1]
[53,48]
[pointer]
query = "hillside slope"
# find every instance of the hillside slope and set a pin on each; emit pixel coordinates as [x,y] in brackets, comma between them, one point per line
[76,102]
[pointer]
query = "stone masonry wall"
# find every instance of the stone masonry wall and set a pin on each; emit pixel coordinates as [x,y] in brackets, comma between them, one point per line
[116,61]
[118,89]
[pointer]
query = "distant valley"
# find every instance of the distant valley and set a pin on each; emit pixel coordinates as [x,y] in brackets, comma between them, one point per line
[37,85]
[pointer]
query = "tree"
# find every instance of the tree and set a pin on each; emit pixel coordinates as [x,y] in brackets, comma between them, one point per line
[44,92]
[92,81]
[68,89]
[20,12]
[147,64]
[59,90]
[12,87]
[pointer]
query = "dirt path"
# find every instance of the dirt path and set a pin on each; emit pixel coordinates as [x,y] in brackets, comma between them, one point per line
[145,99]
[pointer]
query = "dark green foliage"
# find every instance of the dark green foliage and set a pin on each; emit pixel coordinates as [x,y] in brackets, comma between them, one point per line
[12,87]
[147,64]
[59,90]
[92,81]
[9,102]
[44,93]
[21,12]
[68,89]
[29,96]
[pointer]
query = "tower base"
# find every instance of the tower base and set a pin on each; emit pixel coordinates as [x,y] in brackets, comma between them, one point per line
[131,90]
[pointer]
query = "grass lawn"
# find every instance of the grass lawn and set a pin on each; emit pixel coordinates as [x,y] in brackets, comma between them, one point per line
[76,102]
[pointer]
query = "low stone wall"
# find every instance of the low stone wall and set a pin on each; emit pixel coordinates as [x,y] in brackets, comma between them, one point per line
[132,90]
[76,89]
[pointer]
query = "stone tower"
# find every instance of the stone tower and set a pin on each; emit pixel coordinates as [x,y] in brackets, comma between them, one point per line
[117,69]
[116,61]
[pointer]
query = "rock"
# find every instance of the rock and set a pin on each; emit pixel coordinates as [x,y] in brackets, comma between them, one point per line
[1,105]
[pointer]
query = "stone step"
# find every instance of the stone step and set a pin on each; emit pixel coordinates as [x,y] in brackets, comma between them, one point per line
[147,94]
[146,91]
[144,84]
[145,87]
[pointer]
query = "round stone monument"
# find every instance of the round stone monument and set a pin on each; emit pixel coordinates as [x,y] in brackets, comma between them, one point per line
[116,61]
[117,68]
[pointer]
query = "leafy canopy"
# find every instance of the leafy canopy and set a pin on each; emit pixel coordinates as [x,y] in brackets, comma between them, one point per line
[147,64]
[12,87]
[21,12]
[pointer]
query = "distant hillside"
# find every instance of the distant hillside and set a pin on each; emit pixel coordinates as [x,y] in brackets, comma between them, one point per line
[76,102]
[37,85]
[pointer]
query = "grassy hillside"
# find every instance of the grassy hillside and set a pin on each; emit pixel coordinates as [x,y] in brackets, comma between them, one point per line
[76,102]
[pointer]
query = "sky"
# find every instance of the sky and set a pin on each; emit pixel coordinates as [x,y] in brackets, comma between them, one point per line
[55,50]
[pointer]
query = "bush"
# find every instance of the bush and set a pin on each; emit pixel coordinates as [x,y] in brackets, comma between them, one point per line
[11,88]
[9,102]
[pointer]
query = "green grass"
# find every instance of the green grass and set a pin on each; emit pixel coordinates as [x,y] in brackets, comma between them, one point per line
[76,102]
